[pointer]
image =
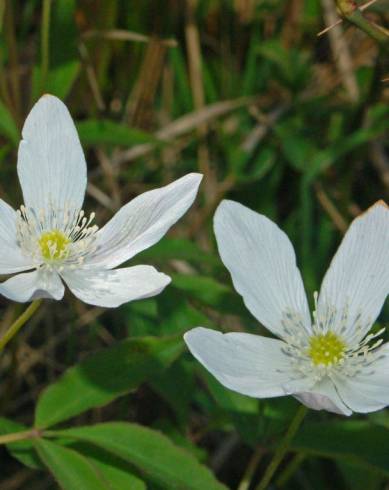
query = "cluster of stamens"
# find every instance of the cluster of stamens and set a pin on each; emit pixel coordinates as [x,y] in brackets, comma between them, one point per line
[326,349]
[331,345]
[55,238]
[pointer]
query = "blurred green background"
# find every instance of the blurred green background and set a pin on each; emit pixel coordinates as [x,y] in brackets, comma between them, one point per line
[290,124]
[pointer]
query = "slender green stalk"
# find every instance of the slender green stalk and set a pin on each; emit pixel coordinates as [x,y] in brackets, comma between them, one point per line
[45,46]
[282,448]
[290,469]
[251,467]
[18,323]
[19,436]
[354,15]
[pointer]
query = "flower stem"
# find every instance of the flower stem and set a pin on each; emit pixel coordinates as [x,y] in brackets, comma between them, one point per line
[18,323]
[251,468]
[290,469]
[282,448]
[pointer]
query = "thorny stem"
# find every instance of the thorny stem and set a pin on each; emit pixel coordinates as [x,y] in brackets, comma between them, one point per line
[282,448]
[18,323]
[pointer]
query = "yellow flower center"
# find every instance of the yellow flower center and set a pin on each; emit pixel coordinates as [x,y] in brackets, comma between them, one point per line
[53,245]
[326,349]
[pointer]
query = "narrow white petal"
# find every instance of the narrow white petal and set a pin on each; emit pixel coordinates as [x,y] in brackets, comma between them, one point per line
[323,396]
[357,282]
[33,285]
[368,390]
[246,363]
[143,221]
[51,163]
[111,288]
[262,263]
[11,257]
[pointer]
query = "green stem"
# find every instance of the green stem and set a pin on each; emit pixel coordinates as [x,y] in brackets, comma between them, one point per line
[251,468]
[18,323]
[19,436]
[282,448]
[290,469]
[46,13]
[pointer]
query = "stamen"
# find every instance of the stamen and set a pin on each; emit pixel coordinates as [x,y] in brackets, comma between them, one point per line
[326,349]
[334,345]
[56,238]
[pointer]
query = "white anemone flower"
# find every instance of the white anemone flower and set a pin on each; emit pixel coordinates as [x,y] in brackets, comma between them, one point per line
[52,238]
[330,363]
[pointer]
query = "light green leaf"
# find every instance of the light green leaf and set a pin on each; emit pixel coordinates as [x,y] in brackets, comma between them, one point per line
[71,470]
[97,132]
[150,452]
[104,376]
[60,79]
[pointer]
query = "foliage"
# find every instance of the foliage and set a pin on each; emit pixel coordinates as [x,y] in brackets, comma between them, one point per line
[274,118]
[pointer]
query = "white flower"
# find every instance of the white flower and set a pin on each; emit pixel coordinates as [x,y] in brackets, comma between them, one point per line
[332,363]
[51,237]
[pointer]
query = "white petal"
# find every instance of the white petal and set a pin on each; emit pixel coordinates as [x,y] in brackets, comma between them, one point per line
[262,264]
[368,390]
[11,257]
[246,363]
[358,277]
[111,288]
[323,396]
[143,221]
[51,163]
[33,285]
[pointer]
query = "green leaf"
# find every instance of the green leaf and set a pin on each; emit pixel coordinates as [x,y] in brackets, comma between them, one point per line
[20,450]
[71,470]
[176,249]
[104,376]
[210,292]
[60,79]
[97,132]
[150,452]
[358,441]
[177,379]
[8,127]
[114,470]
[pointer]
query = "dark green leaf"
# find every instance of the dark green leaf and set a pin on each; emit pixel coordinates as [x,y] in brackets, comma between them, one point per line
[358,441]
[104,376]
[8,126]
[151,453]
[178,249]
[210,292]
[115,470]
[21,450]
